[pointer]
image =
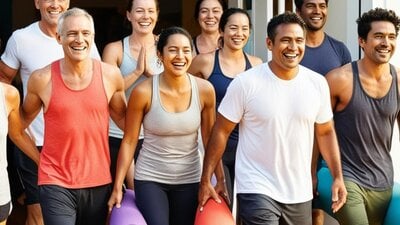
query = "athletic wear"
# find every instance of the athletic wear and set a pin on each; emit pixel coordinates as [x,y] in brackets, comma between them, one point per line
[276,130]
[329,55]
[75,152]
[170,153]
[128,65]
[29,49]
[364,130]
[221,82]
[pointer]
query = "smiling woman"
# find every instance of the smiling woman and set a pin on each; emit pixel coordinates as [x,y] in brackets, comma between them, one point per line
[172,107]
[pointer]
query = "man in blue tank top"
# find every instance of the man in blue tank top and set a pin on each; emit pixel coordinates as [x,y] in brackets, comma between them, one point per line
[322,54]
[366,103]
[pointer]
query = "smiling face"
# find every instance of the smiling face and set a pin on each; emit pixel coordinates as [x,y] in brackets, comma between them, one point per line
[236,31]
[50,10]
[76,37]
[287,47]
[176,55]
[380,43]
[314,14]
[209,15]
[143,16]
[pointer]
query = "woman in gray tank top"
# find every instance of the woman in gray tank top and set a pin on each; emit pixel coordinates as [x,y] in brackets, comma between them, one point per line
[172,107]
[135,56]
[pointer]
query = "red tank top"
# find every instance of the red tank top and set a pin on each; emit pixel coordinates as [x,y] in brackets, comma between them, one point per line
[75,152]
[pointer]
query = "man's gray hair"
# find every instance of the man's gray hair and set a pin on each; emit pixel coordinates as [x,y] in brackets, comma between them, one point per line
[73,12]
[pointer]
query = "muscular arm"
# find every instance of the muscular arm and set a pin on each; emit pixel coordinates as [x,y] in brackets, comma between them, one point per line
[38,94]
[215,148]
[329,148]
[137,106]
[15,127]
[207,122]
[114,86]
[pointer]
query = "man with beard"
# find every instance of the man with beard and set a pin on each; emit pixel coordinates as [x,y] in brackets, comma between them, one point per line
[322,54]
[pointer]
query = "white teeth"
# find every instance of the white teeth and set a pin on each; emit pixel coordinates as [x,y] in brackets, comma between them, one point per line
[290,55]
[178,64]
[316,18]
[145,24]
[79,48]
[210,23]
[383,51]
[54,12]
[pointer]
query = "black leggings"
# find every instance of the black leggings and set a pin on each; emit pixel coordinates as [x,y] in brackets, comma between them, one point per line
[163,204]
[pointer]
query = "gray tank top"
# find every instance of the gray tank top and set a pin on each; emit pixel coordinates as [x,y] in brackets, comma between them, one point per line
[170,153]
[128,65]
[364,130]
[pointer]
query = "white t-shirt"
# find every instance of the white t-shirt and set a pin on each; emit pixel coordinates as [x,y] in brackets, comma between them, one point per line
[276,130]
[29,49]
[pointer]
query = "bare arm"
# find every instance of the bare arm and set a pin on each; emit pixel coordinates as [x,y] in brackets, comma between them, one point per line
[112,54]
[114,86]
[15,127]
[202,65]
[7,73]
[329,148]
[38,94]
[215,148]
[137,106]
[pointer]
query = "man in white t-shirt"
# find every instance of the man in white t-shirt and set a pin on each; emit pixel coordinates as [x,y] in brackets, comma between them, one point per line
[278,105]
[27,50]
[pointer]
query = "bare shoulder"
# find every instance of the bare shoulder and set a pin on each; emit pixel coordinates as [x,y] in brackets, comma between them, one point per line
[112,53]
[145,87]
[343,74]
[204,86]
[110,71]
[40,78]
[254,60]
[10,92]
[11,96]
[202,65]
[141,94]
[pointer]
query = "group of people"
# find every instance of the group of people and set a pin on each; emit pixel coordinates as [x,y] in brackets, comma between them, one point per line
[138,117]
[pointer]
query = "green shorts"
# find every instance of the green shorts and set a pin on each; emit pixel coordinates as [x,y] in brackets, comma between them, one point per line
[363,206]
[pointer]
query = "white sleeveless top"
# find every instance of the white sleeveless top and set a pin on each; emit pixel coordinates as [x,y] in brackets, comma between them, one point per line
[5,196]
[170,153]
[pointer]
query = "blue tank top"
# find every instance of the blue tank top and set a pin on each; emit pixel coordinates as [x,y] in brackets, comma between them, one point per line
[364,130]
[221,82]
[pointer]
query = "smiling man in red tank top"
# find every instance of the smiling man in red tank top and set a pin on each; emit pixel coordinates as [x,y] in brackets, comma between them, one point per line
[77,94]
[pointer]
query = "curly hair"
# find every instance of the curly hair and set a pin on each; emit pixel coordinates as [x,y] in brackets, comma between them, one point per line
[377,14]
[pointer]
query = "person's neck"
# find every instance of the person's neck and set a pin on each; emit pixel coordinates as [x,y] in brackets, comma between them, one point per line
[146,40]
[173,82]
[233,54]
[49,30]
[315,38]
[374,70]
[283,73]
[76,68]
[209,39]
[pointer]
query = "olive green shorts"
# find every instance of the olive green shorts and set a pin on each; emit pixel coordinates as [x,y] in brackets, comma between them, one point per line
[363,206]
